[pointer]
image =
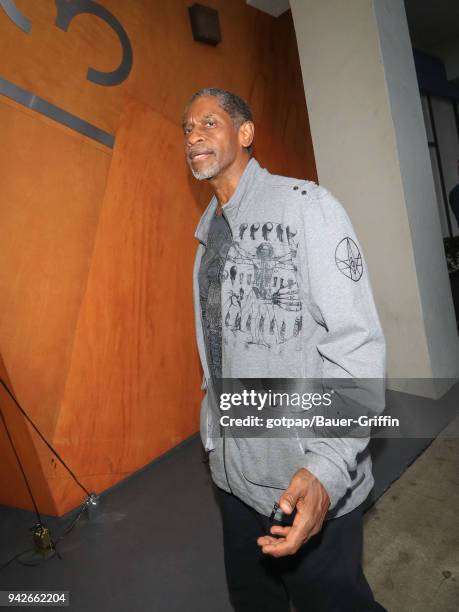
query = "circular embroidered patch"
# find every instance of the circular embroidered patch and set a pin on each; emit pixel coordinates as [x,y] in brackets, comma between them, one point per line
[349,259]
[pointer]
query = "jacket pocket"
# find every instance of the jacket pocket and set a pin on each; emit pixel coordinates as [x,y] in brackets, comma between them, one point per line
[268,462]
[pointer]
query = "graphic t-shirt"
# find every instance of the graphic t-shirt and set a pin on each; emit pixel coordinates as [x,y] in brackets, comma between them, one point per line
[210,282]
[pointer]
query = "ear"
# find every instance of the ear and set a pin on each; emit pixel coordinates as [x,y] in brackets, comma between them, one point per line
[246,134]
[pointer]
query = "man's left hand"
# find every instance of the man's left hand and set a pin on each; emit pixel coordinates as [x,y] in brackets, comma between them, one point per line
[311,500]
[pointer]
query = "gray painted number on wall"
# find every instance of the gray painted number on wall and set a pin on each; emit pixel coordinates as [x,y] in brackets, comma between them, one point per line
[68,9]
[15,15]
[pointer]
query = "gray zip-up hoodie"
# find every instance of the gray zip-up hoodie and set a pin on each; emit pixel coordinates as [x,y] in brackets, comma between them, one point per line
[302,308]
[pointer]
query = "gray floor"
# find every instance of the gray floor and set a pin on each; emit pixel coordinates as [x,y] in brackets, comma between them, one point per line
[156,544]
[411,551]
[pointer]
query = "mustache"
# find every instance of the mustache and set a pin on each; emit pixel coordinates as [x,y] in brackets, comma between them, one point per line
[193,152]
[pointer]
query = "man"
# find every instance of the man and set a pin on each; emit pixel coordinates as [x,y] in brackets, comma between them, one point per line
[281,291]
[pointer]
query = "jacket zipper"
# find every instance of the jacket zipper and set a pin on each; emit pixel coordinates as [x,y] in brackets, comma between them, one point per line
[223,432]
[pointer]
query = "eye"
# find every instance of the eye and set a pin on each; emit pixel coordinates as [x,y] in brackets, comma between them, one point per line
[210,122]
[187,130]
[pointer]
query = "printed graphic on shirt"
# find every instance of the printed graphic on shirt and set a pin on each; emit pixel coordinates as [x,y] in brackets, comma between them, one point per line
[210,279]
[260,289]
[349,259]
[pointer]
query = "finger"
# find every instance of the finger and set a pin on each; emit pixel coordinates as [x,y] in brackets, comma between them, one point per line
[280,530]
[265,540]
[299,534]
[280,548]
[296,536]
[293,494]
[287,500]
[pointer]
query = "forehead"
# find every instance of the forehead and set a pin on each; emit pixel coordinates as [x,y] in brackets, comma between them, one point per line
[201,107]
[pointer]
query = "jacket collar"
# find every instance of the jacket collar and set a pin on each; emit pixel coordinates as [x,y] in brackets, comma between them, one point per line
[239,201]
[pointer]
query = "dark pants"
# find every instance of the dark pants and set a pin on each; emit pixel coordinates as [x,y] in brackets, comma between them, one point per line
[325,575]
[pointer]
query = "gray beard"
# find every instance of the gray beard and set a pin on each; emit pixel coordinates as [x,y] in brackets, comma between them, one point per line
[207,173]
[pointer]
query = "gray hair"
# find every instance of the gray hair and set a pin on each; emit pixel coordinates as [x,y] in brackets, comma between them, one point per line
[236,107]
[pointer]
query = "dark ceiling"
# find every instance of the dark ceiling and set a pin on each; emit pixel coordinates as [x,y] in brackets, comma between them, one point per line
[432,22]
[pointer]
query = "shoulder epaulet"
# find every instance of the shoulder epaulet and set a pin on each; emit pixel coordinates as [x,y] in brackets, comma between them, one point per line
[316,191]
[302,187]
[309,189]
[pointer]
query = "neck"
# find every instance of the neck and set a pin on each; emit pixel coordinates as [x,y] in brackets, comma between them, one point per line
[225,184]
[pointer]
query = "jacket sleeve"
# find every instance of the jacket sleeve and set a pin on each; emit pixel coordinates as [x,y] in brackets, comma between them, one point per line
[352,345]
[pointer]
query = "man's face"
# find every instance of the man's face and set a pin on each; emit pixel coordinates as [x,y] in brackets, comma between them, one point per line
[211,140]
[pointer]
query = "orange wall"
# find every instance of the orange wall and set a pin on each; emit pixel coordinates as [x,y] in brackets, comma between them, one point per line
[96,322]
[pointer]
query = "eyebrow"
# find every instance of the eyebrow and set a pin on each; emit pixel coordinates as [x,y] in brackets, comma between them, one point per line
[204,118]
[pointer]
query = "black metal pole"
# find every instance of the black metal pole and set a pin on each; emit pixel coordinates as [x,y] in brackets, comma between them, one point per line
[440,167]
[456,115]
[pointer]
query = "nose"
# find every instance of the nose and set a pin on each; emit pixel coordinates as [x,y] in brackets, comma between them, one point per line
[194,137]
